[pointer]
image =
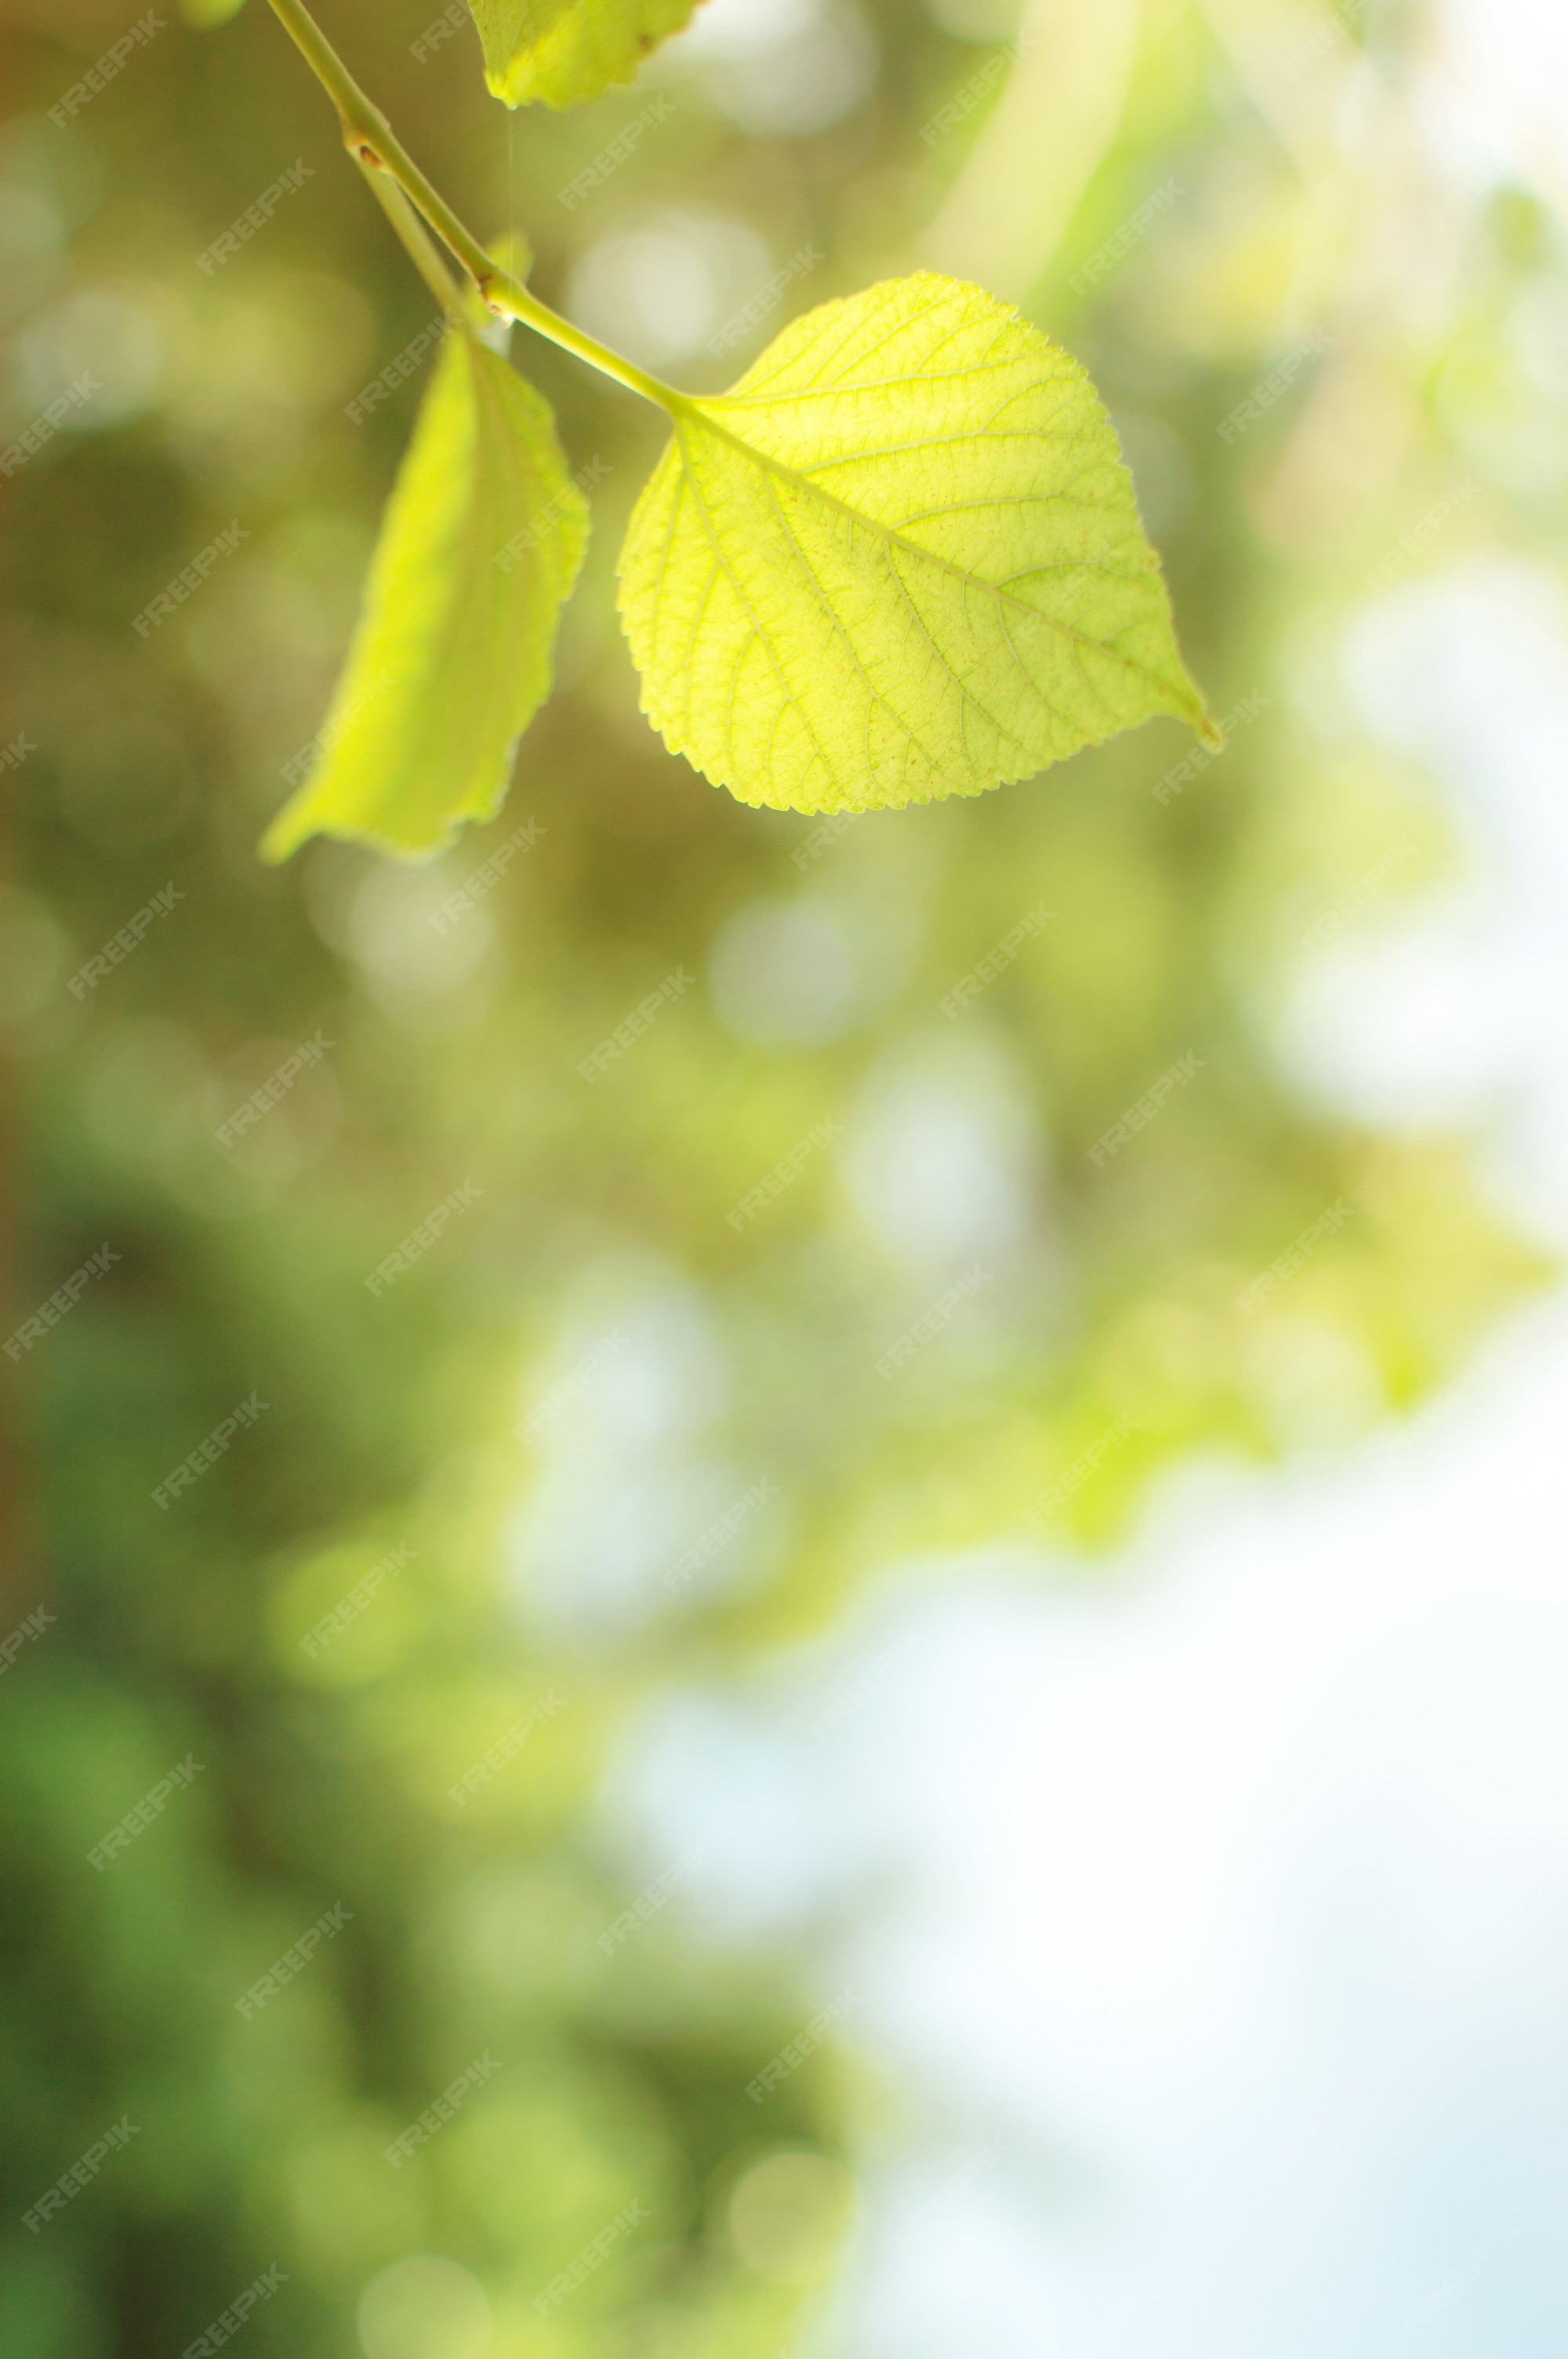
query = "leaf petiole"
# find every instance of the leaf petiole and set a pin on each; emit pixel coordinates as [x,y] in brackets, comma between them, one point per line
[416,242]
[372,143]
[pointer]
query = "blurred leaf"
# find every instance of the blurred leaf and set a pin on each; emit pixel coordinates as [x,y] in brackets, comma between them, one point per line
[901,559]
[481,543]
[568,52]
[208,13]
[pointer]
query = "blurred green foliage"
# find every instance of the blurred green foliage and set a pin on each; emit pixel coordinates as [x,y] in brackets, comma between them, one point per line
[668,1356]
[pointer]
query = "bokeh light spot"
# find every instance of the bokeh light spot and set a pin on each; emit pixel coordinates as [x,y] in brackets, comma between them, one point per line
[789,2215]
[423,2307]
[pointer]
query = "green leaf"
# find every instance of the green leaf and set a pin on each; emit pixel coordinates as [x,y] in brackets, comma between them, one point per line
[569,52]
[205,13]
[480,544]
[900,559]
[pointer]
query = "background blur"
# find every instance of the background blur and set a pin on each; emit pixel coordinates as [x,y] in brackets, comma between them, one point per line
[1186,1875]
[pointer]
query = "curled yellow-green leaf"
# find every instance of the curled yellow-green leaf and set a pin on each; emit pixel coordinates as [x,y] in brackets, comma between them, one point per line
[481,541]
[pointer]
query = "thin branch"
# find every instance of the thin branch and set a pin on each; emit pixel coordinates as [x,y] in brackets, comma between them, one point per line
[371,140]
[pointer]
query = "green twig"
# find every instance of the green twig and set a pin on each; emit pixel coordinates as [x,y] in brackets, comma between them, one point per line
[371,140]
